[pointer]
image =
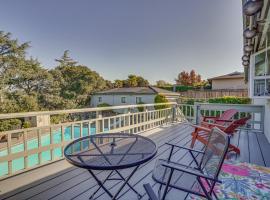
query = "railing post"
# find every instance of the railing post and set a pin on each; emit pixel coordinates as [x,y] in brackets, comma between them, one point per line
[262,119]
[197,113]
[98,125]
[174,117]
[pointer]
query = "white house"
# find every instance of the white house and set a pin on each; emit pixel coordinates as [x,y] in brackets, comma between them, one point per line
[131,96]
[256,59]
[232,81]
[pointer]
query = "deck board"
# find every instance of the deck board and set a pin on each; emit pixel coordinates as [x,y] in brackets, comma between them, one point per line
[75,183]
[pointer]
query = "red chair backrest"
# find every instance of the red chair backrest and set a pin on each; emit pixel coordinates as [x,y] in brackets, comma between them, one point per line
[227,115]
[236,124]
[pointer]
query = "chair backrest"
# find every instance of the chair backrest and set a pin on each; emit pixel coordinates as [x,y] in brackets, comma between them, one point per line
[227,115]
[215,152]
[231,128]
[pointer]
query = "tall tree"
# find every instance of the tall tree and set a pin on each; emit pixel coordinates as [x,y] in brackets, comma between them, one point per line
[189,79]
[76,82]
[65,60]
[10,54]
[29,77]
[183,78]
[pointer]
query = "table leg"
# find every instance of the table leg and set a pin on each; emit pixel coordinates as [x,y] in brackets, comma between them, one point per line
[126,181]
[139,195]
[100,184]
[92,196]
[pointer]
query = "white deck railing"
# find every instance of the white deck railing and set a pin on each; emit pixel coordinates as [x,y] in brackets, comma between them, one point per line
[195,112]
[25,149]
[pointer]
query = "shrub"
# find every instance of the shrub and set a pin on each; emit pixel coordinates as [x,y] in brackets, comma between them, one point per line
[231,100]
[104,105]
[10,124]
[141,108]
[161,99]
[26,124]
[183,88]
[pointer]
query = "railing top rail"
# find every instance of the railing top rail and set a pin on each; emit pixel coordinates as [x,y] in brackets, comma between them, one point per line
[227,105]
[67,123]
[82,110]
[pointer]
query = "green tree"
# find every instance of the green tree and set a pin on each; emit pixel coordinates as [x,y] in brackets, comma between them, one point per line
[65,60]
[29,77]
[118,83]
[11,52]
[75,82]
[162,83]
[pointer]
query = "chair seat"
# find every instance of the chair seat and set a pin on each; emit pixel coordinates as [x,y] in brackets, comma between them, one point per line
[161,174]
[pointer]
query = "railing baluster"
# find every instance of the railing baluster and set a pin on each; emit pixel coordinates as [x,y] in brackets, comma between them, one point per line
[51,142]
[9,152]
[39,145]
[81,129]
[25,149]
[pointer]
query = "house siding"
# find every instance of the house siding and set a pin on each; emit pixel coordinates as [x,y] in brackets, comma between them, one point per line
[218,84]
[115,99]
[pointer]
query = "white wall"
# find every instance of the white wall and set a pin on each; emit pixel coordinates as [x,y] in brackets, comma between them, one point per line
[229,84]
[115,100]
[266,103]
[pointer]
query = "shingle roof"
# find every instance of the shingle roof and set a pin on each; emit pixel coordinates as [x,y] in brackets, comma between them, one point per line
[138,90]
[229,76]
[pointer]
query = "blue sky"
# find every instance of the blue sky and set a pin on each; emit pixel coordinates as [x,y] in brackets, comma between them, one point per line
[153,38]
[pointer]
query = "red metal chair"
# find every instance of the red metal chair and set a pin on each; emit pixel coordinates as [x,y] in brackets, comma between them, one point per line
[202,133]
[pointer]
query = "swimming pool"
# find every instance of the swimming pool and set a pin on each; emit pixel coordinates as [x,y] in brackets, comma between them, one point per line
[32,160]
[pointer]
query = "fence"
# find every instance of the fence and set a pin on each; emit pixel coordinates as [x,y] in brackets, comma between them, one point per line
[207,94]
[25,149]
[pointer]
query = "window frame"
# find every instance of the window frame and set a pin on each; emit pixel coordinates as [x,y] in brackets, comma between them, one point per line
[138,97]
[123,97]
[252,76]
[99,99]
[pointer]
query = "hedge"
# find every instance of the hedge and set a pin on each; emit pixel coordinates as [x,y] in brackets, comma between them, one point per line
[222,100]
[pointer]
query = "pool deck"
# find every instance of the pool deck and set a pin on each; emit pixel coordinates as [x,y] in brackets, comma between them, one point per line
[60,180]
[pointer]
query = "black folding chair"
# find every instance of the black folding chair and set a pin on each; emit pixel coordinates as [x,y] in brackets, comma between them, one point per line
[205,172]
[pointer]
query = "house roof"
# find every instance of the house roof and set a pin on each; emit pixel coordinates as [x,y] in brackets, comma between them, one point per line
[138,90]
[229,76]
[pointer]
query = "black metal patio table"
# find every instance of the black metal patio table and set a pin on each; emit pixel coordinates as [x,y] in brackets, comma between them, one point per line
[112,152]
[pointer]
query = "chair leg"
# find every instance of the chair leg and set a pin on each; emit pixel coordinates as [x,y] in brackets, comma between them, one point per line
[194,137]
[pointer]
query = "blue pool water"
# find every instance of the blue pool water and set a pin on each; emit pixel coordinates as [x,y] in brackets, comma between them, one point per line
[32,160]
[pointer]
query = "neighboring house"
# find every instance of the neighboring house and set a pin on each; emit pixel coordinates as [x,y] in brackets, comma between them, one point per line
[256,62]
[131,96]
[232,81]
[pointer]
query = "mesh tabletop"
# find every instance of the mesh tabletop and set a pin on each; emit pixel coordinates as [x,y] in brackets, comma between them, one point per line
[110,151]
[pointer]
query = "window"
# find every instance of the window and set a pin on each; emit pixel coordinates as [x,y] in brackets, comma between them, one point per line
[260,64]
[99,99]
[260,79]
[123,100]
[138,99]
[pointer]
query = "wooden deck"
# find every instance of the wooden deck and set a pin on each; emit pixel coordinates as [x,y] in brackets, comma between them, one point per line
[75,183]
